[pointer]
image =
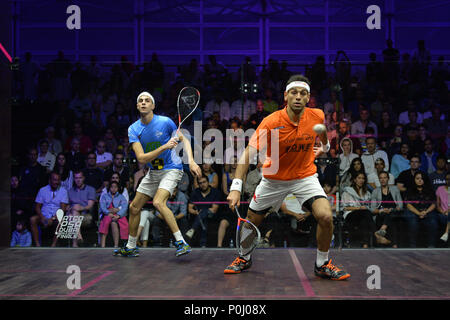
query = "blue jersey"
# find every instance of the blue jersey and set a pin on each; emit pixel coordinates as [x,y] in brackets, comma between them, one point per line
[153,135]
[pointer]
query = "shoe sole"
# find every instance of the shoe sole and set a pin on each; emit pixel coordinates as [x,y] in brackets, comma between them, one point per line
[178,254]
[346,276]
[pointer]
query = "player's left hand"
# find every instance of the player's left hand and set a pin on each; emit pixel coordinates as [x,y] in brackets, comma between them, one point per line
[195,169]
[319,150]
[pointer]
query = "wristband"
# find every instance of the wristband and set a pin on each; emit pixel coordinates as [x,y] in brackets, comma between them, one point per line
[236,185]
[326,147]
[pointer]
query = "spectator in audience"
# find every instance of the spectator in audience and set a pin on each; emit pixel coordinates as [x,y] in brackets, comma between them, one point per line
[359,127]
[54,145]
[405,180]
[89,127]
[269,104]
[442,204]
[256,118]
[62,167]
[411,110]
[301,221]
[356,166]
[119,167]
[326,171]
[346,156]
[437,127]
[104,158]
[385,130]
[140,173]
[93,174]
[32,176]
[82,198]
[110,141]
[113,209]
[428,157]
[395,143]
[437,178]
[207,171]
[373,153]
[343,132]
[218,104]
[387,205]
[48,200]
[84,140]
[21,237]
[420,209]
[413,140]
[45,157]
[122,188]
[355,202]
[75,157]
[373,179]
[242,108]
[400,161]
[202,211]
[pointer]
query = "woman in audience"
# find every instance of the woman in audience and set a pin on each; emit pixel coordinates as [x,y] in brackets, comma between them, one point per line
[387,205]
[62,167]
[356,166]
[355,201]
[420,210]
[113,211]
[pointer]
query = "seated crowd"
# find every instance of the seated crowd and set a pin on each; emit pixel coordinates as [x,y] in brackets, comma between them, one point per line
[387,167]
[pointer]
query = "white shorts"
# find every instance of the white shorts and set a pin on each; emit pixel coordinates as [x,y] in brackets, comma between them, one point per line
[160,179]
[271,193]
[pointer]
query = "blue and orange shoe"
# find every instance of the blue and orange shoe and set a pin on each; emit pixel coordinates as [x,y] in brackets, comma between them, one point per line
[182,248]
[330,271]
[126,252]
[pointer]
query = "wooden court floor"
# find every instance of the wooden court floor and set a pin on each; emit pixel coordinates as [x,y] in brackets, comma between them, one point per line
[276,274]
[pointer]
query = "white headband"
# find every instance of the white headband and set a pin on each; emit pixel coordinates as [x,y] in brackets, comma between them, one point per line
[145,93]
[300,84]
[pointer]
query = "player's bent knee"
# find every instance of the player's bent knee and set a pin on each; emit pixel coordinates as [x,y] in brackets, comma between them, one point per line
[325,218]
[134,210]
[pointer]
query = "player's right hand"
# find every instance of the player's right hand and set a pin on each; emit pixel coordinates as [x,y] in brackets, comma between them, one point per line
[172,143]
[234,199]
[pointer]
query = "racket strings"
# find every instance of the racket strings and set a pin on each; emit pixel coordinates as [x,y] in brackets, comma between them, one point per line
[247,237]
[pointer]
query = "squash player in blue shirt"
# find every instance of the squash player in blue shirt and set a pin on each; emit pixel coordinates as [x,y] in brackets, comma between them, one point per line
[152,142]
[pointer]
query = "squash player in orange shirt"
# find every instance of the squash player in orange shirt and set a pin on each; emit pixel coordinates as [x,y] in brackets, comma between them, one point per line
[296,127]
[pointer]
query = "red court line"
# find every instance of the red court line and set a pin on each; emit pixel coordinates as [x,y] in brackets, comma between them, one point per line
[5,53]
[301,274]
[91,283]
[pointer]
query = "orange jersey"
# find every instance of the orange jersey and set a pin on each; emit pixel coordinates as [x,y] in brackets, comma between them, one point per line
[295,158]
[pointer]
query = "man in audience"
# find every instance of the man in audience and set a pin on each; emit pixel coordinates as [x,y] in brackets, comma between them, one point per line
[104,158]
[93,174]
[405,180]
[82,198]
[48,200]
[372,153]
[202,212]
[119,167]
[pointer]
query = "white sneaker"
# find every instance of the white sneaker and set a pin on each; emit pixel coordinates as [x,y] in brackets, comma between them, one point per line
[190,233]
[444,237]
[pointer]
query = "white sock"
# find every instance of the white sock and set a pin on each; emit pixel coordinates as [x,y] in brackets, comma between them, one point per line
[321,258]
[131,244]
[178,236]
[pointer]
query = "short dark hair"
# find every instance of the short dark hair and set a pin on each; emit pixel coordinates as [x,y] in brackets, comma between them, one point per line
[384,172]
[298,77]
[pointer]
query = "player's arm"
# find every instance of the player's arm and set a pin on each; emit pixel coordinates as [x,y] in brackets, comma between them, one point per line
[234,197]
[144,158]
[195,169]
